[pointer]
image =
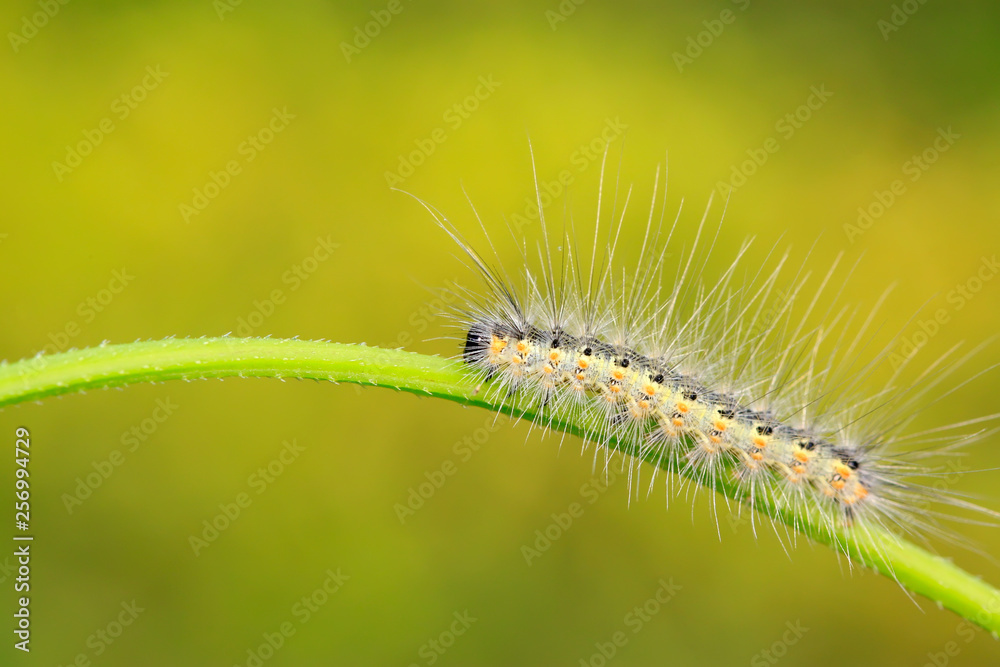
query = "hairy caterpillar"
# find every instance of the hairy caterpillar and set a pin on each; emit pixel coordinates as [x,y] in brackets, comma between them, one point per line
[729,379]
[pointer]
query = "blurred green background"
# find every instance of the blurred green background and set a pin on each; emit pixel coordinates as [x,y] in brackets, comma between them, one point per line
[96,183]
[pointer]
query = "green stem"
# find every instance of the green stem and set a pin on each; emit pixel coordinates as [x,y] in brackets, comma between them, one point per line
[195,358]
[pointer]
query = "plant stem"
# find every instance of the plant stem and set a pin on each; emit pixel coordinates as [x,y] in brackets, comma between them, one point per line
[197,358]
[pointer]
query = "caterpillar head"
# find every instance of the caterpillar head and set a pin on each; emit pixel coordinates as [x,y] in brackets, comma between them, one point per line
[480,343]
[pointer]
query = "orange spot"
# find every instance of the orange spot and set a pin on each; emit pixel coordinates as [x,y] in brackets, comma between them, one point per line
[617,374]
[548,370]
[714,438]
[757,456]
[760,442]
[554,356]
[862,492]
[798,469]
[720,425]
[522,346]
[838,484]
[583,363]
[842,470]
[580,376]
[682,407]
[801,456]
[649,389]
[516,360]
[644,405]
[614,389]
[678,421]
[497,345]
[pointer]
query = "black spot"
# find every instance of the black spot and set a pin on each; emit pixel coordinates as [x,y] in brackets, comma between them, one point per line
[853,465]
[765,430]
[624,362]
[588,351]
[690,395]
[658,379]
[807,445]
[558,338]
[476,344]
[727,414]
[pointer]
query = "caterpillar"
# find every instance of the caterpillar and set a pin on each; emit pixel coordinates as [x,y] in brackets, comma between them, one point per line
[736,379]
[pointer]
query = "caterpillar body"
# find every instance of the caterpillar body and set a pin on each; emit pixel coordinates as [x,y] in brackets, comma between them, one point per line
[726,379]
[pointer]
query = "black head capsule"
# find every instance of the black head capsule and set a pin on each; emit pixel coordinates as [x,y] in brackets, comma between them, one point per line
[477,344]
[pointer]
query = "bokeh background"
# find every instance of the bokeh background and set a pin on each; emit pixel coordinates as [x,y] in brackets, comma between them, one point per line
[94,184]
